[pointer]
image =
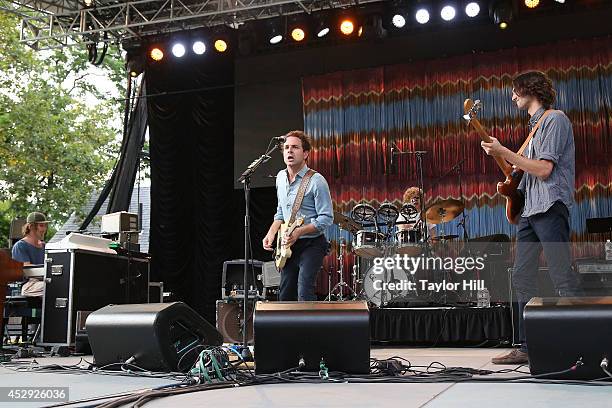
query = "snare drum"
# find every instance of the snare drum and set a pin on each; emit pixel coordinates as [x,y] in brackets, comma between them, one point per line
[369,244]
[409,242]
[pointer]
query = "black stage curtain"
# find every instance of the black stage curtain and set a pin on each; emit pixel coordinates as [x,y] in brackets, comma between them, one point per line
[191,127]
[441,326]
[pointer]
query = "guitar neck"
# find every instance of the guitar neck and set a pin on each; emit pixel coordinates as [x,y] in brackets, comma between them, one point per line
[505,167]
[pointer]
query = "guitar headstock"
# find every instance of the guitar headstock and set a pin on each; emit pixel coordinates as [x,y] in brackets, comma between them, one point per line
[471,109]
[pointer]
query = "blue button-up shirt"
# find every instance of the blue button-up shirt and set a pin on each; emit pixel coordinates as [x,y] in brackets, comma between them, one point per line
[553,141]
[316,206]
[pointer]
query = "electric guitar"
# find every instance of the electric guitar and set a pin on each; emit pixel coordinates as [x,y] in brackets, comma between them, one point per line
[283,252]
[509,187]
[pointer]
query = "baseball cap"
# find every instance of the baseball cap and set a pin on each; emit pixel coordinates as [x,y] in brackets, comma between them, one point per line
[37,217]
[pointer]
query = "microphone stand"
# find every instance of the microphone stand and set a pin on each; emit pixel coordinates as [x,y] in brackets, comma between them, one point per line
[245,179]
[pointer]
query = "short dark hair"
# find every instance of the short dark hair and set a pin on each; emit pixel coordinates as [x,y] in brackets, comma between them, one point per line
[306,143]
[536,84]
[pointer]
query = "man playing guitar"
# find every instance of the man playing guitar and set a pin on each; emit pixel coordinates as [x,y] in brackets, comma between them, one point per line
[308,242]
[548,189]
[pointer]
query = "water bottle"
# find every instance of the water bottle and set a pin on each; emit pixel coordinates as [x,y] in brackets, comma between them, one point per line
[608,250]
[483,298]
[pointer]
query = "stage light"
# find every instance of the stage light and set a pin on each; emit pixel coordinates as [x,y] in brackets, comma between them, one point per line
[472,9]
[275,39]
[501,11]
[199,47]
[422,16]
[178,50]
[298,34]
[532,3]
[347,27]
[560,1]
[135,63]
[220,45]
[156,54]
[448,13]
[398,21]
[89,3]
[323,32]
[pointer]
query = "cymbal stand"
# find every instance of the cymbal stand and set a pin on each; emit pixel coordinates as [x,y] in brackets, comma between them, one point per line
[341,283]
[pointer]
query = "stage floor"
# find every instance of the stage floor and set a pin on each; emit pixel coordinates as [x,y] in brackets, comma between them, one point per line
[333,395]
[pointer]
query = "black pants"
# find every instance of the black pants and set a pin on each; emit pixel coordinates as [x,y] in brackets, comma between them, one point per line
[299,276]
[548,231]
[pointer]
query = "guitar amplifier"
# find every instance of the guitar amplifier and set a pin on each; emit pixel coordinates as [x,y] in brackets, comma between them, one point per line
[230,318]
[232,280]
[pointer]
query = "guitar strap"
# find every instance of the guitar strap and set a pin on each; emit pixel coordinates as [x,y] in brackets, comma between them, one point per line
[537,125]
[300,194]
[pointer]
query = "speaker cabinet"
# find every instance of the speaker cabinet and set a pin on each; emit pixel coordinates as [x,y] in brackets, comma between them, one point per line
[561,331]
[336,332]
[230,319]
[151,336]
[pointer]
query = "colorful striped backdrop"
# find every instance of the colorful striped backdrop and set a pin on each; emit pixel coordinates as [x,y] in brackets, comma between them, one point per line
[355,116]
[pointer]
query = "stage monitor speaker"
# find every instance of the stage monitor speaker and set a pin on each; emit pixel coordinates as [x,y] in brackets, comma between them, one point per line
[152,336]
[336,332]
[561,331]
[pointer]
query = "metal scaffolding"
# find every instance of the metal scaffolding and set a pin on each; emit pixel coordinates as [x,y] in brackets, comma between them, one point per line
[60,23]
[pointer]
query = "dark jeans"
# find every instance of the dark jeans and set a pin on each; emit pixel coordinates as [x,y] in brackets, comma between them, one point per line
[548,231]
[299,276]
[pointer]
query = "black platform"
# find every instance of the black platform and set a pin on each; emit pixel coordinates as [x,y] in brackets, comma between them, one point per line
[441,326]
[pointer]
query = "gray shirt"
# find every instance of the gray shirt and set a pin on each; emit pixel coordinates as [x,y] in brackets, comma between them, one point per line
[553,141]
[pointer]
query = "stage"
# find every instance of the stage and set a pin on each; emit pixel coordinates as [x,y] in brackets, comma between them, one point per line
[441,394]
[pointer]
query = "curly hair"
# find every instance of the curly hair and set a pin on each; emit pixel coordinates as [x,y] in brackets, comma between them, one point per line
[306,143]
[536,84]
[411,192]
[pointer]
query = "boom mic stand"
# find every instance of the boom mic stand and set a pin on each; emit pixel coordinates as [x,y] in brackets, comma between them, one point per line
[245,179]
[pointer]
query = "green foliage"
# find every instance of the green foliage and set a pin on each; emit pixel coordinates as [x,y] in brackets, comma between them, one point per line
[56,146]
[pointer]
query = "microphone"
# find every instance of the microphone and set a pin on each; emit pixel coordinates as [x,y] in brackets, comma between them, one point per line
[280,138]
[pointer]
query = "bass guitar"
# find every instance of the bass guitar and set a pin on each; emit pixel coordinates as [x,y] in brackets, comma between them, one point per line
[509,187]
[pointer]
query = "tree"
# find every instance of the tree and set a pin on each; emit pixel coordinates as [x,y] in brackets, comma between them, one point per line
[56,145]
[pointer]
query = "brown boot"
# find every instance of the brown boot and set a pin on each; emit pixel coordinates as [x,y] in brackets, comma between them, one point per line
[516,356]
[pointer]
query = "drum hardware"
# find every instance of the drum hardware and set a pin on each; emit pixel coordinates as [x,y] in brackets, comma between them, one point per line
[443,238]
[341,283]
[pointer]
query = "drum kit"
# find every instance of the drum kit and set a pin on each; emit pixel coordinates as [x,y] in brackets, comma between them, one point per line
[388,231]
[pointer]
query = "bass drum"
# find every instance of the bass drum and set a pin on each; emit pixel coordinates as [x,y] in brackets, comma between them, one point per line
[390,285]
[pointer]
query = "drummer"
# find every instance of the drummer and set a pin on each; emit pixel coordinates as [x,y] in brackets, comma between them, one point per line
[412,197]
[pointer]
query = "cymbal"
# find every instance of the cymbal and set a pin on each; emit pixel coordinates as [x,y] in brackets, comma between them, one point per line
[444,211]
[444,237]
[346,223]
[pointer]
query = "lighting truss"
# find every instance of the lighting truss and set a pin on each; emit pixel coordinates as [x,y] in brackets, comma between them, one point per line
[60,23]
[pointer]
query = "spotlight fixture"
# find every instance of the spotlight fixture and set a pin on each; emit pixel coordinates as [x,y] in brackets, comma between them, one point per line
[199,47]
[448,13]
[472,9]
[88,3]
[347,26]
[298,34]
[501,11]
[321,25]
[422,16]
[275,34]
[372,27]
[156,54]
[323,31]
[560,1]
[398,20]
[532,3]
[135,65]
[178,50]
[220,45]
